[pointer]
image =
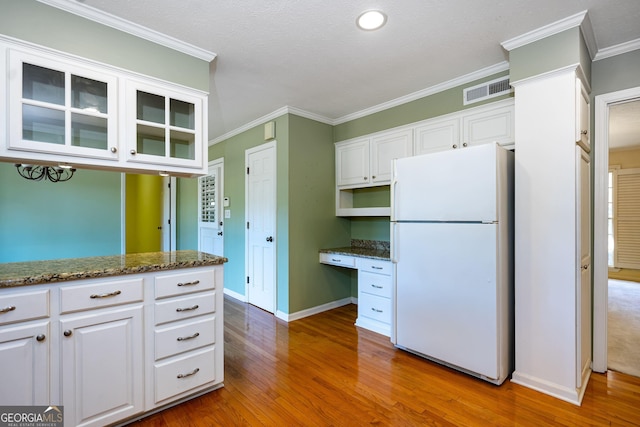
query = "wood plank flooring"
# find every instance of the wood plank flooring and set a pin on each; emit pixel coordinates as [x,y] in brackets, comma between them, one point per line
[324,371]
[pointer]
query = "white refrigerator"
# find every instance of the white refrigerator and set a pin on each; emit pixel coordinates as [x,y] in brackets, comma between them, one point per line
[452,245]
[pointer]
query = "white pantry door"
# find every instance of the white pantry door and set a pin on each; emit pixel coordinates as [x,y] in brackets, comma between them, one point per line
[210,209]
[260,190]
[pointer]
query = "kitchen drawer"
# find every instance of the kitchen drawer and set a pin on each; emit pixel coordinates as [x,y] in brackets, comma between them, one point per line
[185,307]
[175,339]
[376,284]
[341,260]
[374,307]
[88,296]
[185,373]
[18,307]
[168,285]
[374,266]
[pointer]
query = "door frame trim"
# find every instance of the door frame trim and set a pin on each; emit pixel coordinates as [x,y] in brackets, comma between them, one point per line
[247,152]
[600,184]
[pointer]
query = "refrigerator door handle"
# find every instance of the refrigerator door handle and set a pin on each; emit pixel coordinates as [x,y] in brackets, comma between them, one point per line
[392,243]
[394,182]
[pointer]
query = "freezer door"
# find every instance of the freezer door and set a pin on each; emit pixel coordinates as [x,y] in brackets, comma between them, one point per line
[446,293]
[453,185]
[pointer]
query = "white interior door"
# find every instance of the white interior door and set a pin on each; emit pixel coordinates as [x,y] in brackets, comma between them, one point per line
[210,209]
[261,226]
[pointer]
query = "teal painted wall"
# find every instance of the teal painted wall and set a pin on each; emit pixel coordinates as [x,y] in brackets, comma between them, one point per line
[41,24]
[44,220]
[440,103]
[187,214]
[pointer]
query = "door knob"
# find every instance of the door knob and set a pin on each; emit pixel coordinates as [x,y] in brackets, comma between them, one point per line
[219,233]
[270,239]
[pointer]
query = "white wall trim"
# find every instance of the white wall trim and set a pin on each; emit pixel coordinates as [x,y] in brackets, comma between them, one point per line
[618,49]
[600,184]
[546,31]
[235,295]
[568,395]
[126,26]
[313,310]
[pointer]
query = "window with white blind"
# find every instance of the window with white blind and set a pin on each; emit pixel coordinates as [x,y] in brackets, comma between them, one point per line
[208,208]
[626,218]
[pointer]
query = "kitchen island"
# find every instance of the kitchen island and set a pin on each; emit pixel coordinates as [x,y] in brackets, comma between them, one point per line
[113,338]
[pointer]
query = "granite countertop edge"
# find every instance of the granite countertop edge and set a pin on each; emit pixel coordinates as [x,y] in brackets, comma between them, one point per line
[359,252]
[63,270]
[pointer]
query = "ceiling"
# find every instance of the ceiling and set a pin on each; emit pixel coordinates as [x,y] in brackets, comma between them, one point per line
[310,55]
[624,125]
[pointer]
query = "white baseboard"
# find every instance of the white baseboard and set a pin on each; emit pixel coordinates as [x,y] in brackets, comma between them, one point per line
[313,310]
[235,295]
[552,389]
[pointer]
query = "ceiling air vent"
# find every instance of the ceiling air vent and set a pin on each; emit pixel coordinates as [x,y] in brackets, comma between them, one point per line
[486,90]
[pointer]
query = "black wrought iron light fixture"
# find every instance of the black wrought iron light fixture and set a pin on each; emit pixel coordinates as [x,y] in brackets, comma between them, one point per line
[59,173]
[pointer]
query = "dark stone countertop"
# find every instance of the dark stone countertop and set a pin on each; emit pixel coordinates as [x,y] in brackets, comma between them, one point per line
[61,270]
[374,249]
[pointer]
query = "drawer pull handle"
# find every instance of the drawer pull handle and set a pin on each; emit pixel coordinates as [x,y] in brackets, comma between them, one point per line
[193,307]
[107,295]
[376,286]
[195,371]
[7,309]
[195,282]
[336,260]
[375,267]
[190,337]
[376,310]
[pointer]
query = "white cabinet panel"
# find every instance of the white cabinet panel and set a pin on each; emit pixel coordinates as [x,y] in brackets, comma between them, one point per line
[352,163]
[437,135]
[494,125]
[386,147]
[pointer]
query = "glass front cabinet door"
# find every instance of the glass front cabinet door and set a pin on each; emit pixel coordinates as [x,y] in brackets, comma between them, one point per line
[61,107]
[165,127]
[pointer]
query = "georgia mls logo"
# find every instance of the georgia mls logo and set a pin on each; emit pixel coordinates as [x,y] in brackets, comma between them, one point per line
[31,416]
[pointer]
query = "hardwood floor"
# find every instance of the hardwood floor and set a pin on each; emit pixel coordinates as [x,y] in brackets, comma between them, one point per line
[323,371]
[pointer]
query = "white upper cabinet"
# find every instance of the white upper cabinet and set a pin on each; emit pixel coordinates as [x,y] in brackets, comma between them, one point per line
[489,123]
[61,107]
[352,163]
[386,147]
[65,109]
[437,135]
[165,128]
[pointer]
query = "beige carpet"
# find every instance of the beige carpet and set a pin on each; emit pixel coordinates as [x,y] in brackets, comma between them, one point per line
[623,330]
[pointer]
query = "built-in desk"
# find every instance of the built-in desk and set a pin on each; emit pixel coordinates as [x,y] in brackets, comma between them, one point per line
[375,280]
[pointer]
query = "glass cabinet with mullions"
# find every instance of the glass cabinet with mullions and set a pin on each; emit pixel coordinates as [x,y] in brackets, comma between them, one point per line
[167,126]
[62,108]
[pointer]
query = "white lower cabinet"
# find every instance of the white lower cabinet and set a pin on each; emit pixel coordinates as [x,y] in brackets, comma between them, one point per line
[102,362]
[111,349]
[374,295]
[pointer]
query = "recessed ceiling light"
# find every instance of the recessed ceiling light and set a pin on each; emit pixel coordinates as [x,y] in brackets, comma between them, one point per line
[371,20]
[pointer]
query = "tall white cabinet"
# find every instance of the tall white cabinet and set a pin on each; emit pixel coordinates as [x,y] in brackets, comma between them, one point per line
[553,244]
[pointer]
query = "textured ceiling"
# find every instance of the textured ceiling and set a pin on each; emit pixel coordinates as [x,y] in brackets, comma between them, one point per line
[310,54]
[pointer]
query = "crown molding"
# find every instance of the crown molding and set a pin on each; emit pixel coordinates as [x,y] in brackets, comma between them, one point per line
[546,31]
[458,81]
[618,49]
[271,116]
[117,23]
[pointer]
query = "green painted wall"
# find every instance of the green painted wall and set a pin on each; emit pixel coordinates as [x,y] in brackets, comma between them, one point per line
[45,220]
[312,221]
[615,73]
[551,53]
[143,207]
[306,220]
[41,24]
[440,103]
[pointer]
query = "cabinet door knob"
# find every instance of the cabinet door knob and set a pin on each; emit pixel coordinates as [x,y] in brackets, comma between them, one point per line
[455,145]
[67,333]
[133,152]
[366,178]
[583,132]
[114,150]
[40,337]
[464,144]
